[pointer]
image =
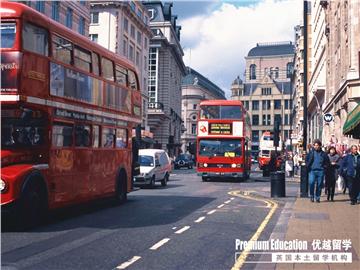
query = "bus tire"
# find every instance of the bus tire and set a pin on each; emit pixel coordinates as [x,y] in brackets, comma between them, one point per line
[33,202]
[205,179]
[121,188]
[165,180]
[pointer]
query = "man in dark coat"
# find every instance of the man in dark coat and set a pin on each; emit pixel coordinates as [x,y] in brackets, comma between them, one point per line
[317,161]
[350,169]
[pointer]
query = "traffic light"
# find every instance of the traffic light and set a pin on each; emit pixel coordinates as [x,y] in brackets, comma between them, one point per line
[276,133]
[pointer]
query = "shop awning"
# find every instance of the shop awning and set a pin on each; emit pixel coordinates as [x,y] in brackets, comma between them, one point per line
[352,124]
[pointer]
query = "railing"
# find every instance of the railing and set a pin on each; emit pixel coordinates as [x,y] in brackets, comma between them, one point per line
[156,105]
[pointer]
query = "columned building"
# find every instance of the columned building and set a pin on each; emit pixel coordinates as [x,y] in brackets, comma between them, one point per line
[266,91]
[195,88]
[342,99]
[166,69]
[123,27]
[73,14]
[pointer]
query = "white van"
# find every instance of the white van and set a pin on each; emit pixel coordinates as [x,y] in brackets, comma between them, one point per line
[155,165]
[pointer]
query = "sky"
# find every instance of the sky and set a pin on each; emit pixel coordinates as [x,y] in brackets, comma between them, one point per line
[217,35]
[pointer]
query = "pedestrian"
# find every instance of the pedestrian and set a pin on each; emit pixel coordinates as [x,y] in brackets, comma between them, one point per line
[289,166]
[350,169]
[331,174]
[296,163]
[345,185]
[317,161]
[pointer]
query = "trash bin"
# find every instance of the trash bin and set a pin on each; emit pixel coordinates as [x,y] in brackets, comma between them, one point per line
[277,184]
[304,182]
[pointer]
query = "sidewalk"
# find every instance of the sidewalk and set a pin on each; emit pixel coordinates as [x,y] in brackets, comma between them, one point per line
[325,220]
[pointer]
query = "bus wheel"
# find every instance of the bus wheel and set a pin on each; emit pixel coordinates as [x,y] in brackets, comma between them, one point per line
[121,188]
[33,204]
[165,180]
[205,179]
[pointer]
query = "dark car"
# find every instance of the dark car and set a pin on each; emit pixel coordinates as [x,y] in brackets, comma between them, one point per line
[184,160]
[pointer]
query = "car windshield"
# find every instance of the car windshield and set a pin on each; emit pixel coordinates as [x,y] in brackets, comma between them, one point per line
[182,157]
[8,32]
[147,161]
[223,148]
[21,131]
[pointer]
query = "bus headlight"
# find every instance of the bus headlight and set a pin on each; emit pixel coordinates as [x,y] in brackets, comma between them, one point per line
[233,165]
[205,165]
[2,185]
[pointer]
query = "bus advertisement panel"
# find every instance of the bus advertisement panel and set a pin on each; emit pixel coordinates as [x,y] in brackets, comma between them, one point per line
[223,140]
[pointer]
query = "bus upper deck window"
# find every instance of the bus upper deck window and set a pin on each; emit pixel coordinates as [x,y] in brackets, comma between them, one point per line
[8,32]
[35,39]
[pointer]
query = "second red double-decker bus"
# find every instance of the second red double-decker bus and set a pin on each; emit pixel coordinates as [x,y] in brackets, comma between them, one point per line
[68,107]
[223,140]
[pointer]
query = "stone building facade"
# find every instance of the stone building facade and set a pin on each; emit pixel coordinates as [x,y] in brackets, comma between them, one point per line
[342,96]
[123,27]
[195,88]
[166,69]
[266,91]
[73,14]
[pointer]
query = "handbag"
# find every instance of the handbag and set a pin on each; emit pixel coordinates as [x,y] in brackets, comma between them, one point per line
[340,183]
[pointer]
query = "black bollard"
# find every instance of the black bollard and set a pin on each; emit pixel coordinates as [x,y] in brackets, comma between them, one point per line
[277,184]
[304,182]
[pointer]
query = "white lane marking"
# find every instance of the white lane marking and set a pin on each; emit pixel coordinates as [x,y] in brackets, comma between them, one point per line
[160,243]
[227,201]
[174,228]
[221,205]
[211,212]
[128,263]
[199,219]
[182,229]
[232,198]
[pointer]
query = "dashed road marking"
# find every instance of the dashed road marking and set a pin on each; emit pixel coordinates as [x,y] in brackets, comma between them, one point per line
[182,229]
[128,263]
[232,198]
[228,201]
[269,203]
[211,212]
[160,243]
[199,219]
[174,228]
[221,205]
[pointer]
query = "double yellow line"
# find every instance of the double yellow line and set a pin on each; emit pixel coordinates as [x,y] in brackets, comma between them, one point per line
[270,204]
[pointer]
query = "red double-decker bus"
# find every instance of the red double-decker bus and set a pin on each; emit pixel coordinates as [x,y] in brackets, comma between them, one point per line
[68,107]
[223,140]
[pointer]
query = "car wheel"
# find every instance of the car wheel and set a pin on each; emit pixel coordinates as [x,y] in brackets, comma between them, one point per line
[165,180]
[205,179]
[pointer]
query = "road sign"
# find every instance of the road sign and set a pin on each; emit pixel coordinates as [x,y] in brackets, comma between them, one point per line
[328,117]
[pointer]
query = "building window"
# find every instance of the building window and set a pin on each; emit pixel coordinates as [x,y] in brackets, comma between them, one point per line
[264,117]
[246,104]
[94,37]
[194,106]
[139,37]
[277,119]
[266,105]
[139,14]
[255,105]
[132,31]
[152,13]
[55,9]
[83,2]
[131,52]
[69,17]
[255,135]
[286,135]
[286,119]
[132,6]
[276,73]
[125,47]
[137,58]
[289,70]
[40,6]
[94,17]
[126,25]
[145,42]
[152,84]
[81,25]
[255,120]
[145,63]
[268,120]
[253,72]
[266,91]
[277,104]
[193,129]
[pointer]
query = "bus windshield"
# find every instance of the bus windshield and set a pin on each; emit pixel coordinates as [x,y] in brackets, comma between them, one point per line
[8,32]
[220,112]
[21,131]
[222,148]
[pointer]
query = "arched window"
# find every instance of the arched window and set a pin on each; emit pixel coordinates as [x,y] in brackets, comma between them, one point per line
[289,70]
[276,72]
[253,72]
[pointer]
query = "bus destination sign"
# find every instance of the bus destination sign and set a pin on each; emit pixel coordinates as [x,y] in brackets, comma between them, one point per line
[220,128]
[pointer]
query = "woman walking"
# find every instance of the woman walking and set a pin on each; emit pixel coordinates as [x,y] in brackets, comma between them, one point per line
[332,173]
